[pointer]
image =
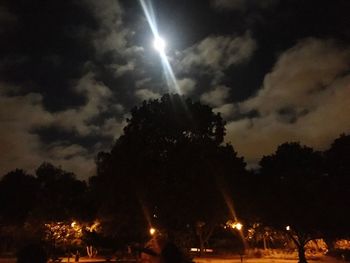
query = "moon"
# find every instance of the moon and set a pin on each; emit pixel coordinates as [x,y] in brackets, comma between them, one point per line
[159,44]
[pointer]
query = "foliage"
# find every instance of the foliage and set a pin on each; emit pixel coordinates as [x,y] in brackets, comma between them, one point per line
[263,236]
[171,165]
[69,236]
[27,202]
[297,191]
[61,234]
[292,161]
[18,196]
[61,195]
[171,170]
[338,158]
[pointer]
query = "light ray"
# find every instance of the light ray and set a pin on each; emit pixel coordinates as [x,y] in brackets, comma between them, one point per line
[168,71]
[233,213]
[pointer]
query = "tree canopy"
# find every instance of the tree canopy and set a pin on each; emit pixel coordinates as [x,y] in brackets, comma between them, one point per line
[171,169]
[61,195]
[171,159]
[300,191]
[18,196]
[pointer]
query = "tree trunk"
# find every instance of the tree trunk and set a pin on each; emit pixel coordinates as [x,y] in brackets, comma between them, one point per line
[300,241]
[330,243]
[201,246]
[301,254]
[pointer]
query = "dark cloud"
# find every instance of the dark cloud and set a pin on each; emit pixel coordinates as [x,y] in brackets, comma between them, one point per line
[146,94]
[23,117]
[304,98]
[8,20]
[70,71]
[50,62]
[217,53]
[208,62]
[242,5]
[186,85]
[216,97]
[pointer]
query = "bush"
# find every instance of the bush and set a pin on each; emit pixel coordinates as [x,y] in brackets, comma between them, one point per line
[32,253]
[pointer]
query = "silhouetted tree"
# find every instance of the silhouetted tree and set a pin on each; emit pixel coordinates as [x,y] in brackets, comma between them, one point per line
[336,185]
[292,161]
[170,164]
[338,158]
[296,192]
[18,196]
[62,196]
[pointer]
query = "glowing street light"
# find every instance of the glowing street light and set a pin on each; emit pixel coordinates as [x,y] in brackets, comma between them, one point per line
[152,231]
[288,228]
[239,226]
[234,225]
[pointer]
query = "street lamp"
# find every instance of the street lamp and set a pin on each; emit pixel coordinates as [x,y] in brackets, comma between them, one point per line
[152,231]
[234,225]
[239,226]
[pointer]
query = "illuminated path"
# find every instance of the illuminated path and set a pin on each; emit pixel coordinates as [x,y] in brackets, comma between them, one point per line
[324,259]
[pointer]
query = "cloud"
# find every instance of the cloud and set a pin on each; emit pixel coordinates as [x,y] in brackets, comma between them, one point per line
[122,69]
[72,157]
[217,53]
[305,98]
[241,5]
[229,4]
[186,85]
[21,116]
[61,151]
[7,19]
[97,101]
[300,76]
[113,37]
[113,127]
[146,94]
[21,147]
[110,34]
[227,111]
[216,97]
[142,82]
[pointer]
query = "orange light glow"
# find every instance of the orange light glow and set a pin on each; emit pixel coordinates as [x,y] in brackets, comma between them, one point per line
[195,249]
[152,231]
[234,225]
[239,226]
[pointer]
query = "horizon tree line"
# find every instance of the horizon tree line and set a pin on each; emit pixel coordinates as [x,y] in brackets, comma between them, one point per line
[170,169]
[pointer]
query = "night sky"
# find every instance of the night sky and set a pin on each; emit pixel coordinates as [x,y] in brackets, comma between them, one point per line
[70,71]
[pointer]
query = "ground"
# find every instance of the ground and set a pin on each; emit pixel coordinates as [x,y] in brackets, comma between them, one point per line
[217,260]
[264,260]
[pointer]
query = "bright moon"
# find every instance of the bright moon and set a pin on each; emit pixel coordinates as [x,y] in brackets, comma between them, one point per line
[159,44]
